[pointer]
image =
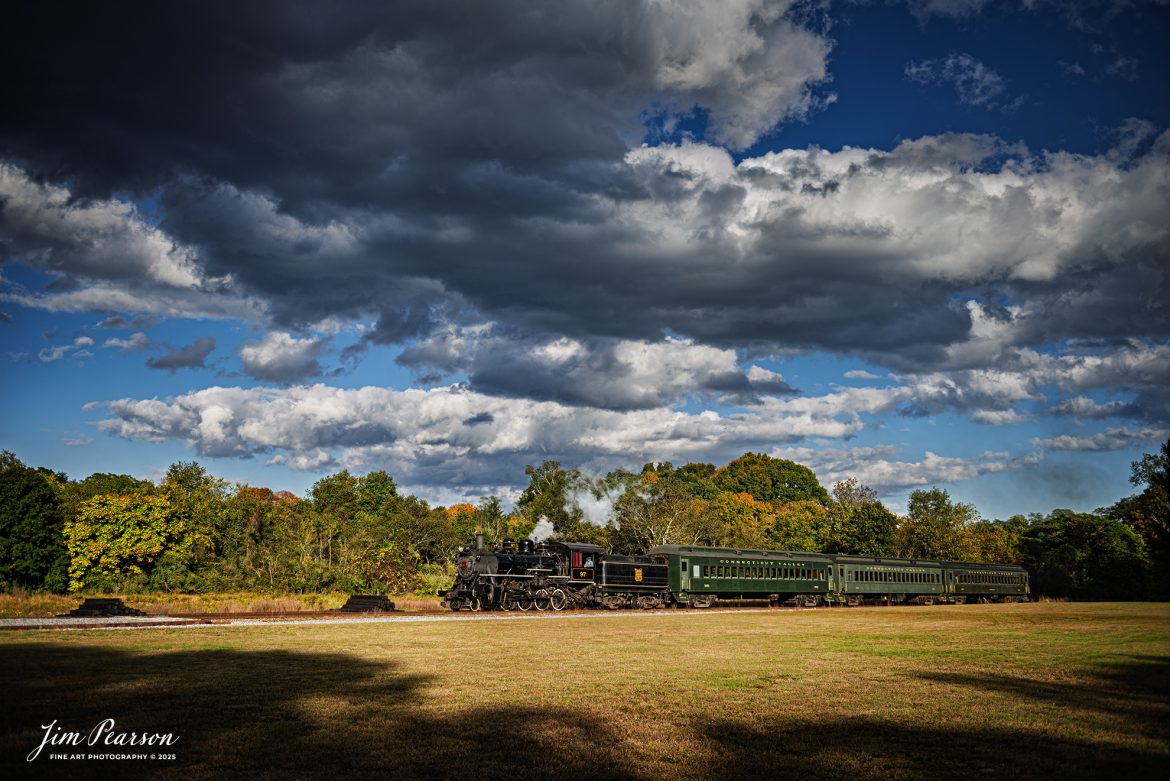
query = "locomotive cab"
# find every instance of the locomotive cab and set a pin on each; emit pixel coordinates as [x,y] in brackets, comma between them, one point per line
[582,559]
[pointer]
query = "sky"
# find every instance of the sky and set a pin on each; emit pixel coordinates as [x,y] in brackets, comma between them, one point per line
[918,244]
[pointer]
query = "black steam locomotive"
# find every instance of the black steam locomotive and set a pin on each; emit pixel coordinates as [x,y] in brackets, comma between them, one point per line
[526,575]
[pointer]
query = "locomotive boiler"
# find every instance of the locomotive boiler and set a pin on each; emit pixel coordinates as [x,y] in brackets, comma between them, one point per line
[525,575]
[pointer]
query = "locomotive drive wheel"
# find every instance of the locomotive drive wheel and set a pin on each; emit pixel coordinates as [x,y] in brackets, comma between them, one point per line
[558,599]
[523,603]
[541,600]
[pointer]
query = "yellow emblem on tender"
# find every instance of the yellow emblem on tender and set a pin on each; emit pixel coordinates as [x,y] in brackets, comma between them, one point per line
[638,574]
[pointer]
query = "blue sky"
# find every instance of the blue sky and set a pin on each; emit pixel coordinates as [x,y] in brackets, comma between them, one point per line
[918,244]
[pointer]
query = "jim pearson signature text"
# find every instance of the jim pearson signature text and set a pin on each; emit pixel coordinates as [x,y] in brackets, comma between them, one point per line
[103,733]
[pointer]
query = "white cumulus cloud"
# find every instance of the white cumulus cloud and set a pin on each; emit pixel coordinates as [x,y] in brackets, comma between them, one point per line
[281,357]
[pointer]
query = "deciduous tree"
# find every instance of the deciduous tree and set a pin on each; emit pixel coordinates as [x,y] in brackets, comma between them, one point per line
[799,526]
[550,495]
[1148,514]
[742,520]
[1085,556]
[660,511]
[858,523]
[771,479]
[934,526]
[121,534]
[32,548]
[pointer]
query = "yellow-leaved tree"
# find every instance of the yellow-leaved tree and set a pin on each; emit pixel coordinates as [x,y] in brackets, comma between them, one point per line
[114,535]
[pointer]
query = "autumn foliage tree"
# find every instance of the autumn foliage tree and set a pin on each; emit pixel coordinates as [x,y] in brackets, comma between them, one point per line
[657,509]
[770,479]
[119,535]
[934,526]
[742,520]
[799,526]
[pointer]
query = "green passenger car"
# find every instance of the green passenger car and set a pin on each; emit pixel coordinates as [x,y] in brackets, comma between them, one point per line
[886,580]
[967,582]
[701,576]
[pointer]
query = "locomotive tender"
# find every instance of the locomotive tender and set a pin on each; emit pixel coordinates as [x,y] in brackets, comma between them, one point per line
[557,575]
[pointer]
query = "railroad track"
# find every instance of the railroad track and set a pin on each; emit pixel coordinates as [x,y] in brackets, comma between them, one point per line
[337,614]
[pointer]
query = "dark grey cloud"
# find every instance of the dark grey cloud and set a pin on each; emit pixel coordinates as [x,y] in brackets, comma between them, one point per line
[1084,408]
[431,88]
[407,111]
[370,163]
[191,356]
[1109,439]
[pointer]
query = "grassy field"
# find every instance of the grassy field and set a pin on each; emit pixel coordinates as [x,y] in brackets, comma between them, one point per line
[1017,691]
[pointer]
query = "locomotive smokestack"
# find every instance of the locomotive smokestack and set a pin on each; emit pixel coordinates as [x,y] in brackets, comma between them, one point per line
[479,542]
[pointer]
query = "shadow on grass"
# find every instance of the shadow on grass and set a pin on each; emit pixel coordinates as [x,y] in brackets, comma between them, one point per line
[871,749]
[276,714]
[1136,691]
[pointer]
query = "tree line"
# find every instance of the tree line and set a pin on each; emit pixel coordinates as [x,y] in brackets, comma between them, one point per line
[194,532]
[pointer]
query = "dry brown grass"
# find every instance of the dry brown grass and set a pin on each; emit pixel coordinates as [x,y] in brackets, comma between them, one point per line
[412,603]
[1020,691]
[24,605]
[241,602]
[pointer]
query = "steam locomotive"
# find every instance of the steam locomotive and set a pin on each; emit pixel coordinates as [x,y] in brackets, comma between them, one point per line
[557,575]
[526,575]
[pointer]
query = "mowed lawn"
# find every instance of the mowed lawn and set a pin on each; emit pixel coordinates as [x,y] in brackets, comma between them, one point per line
[1017,691]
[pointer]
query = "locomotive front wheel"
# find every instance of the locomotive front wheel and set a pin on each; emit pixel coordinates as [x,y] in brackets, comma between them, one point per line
[558,599]
[455,604]
[474,605]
